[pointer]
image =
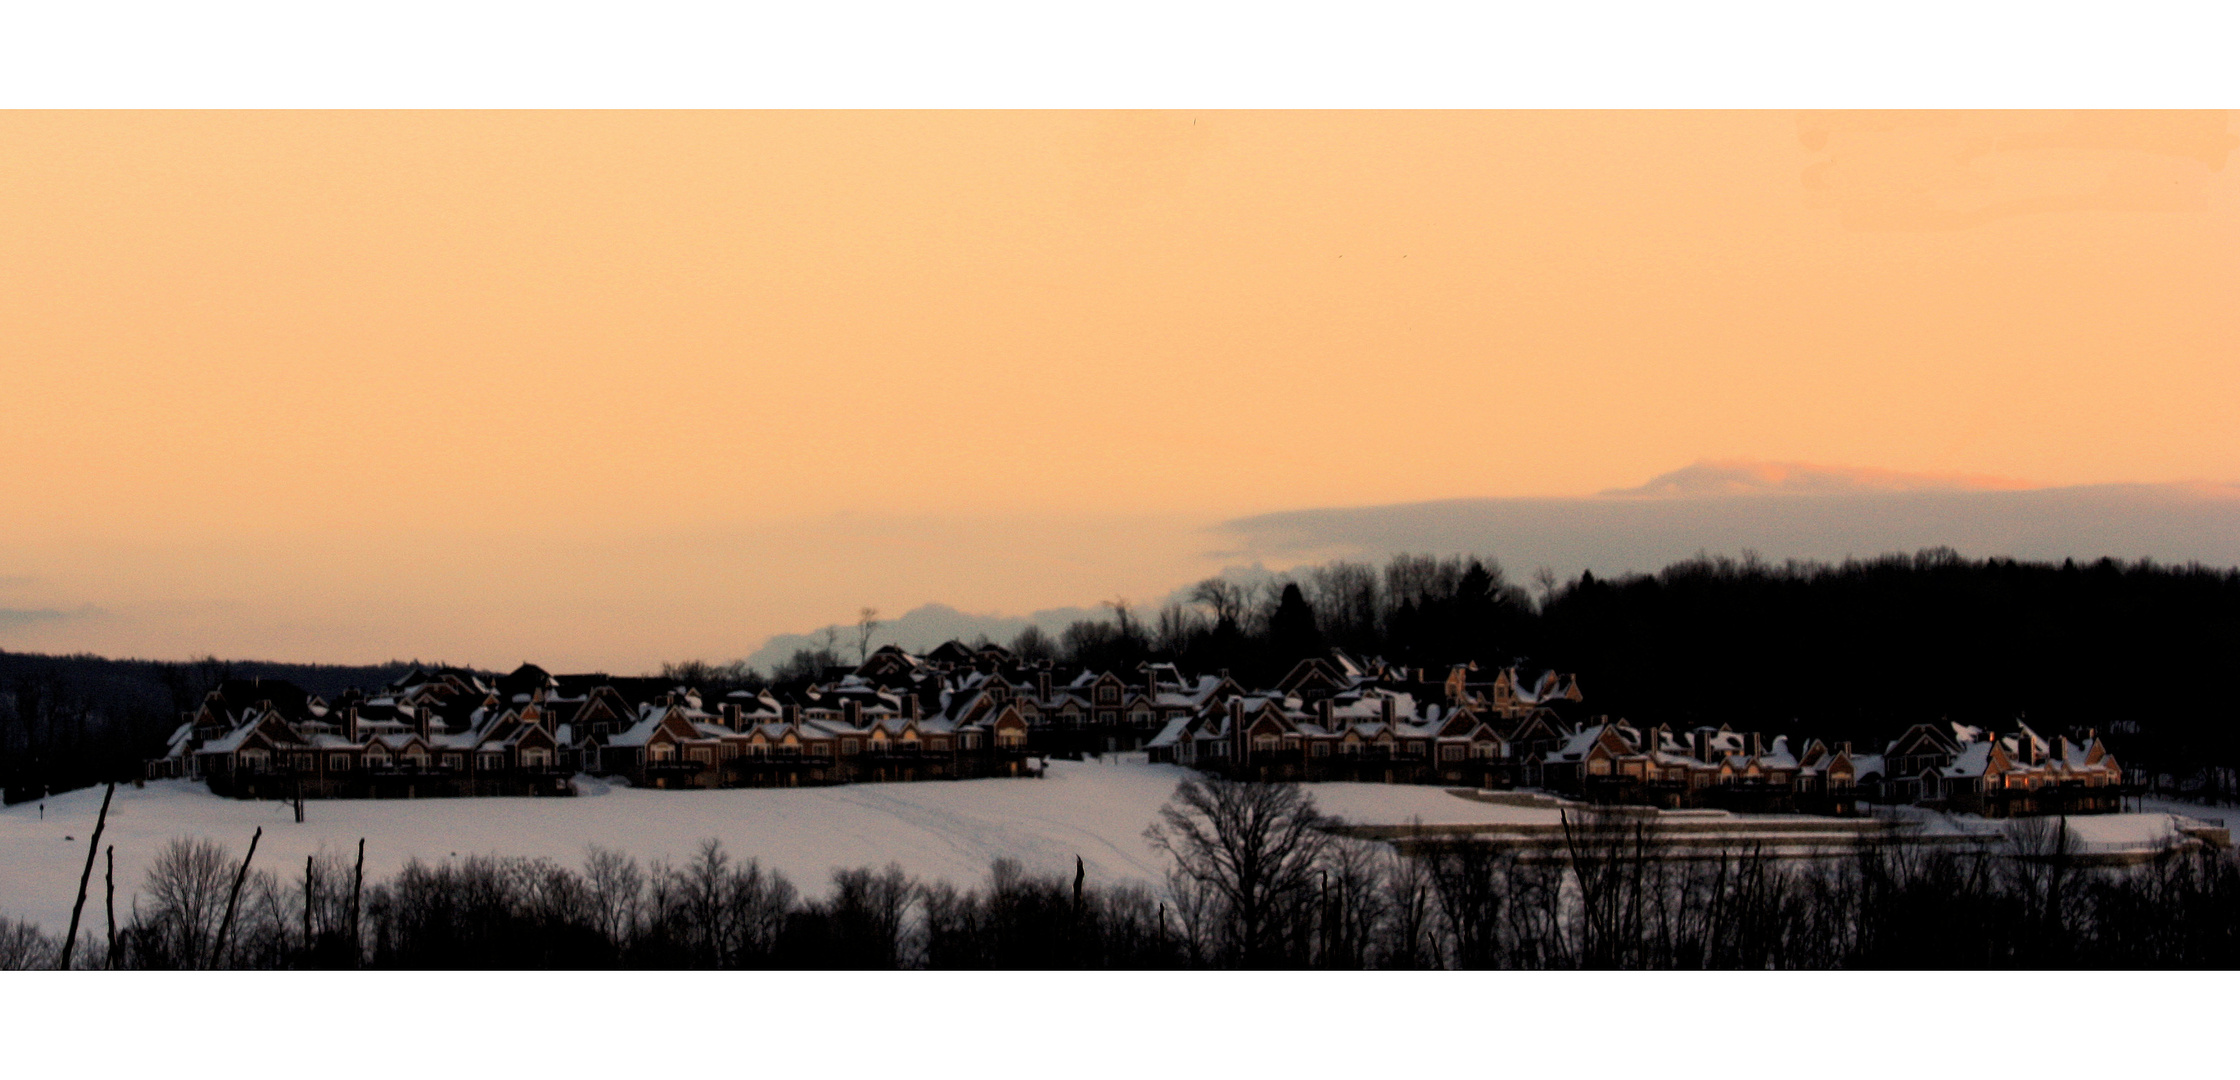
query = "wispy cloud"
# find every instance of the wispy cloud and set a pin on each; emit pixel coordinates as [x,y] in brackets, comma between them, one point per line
[1780,511]
[18,618]
[1792,478]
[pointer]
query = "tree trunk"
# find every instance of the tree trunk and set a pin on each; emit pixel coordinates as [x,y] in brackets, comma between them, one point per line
[70,944]
[111,880]
[310,893]
[357,884]
[233,899]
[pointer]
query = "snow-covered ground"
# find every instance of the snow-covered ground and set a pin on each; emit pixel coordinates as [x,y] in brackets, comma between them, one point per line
[952,830]
[2156,826]
[949,830]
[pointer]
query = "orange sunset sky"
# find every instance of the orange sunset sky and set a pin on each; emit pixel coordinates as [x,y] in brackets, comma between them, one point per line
[603,389]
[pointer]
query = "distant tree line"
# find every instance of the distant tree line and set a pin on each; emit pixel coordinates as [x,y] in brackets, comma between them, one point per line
[71,721]
[1256,880]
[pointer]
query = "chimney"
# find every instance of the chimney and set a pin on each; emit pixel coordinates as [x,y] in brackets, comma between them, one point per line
[421,722]
[1702,744]
[731,715]
[1756,746]
[1324,709]
[851,712]
[350,723]
[1236,713]
[792,713]
[1846,744]
[1042,685]
[1390,705]
[916,704]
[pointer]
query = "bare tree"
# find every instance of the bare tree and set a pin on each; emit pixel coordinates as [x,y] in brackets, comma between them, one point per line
[1544,583]
[187,886]
[618,889]
[1256,845]
[867,624]
[1345,600]
[24,948]
[1410,940]
[1033,644]
[1226,598]
[1125,616]
[869,912]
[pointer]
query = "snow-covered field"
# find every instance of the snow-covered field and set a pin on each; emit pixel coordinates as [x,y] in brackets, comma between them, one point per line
[952,830]
[947,830]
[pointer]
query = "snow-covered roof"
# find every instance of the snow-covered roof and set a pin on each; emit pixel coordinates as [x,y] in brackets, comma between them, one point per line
[638,733]
[1171,733]
[1972,760]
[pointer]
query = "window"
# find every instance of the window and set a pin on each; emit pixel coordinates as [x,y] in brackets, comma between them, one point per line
[417,760]
[850,746]
[300,762]
[454,761]
[493,761]
[338,763]
[1322,749]
[1264,744]
[1450,753]
[536,759]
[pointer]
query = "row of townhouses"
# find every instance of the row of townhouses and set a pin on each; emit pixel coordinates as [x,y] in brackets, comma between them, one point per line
[1335,720]
[1956,766]
[961,711]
